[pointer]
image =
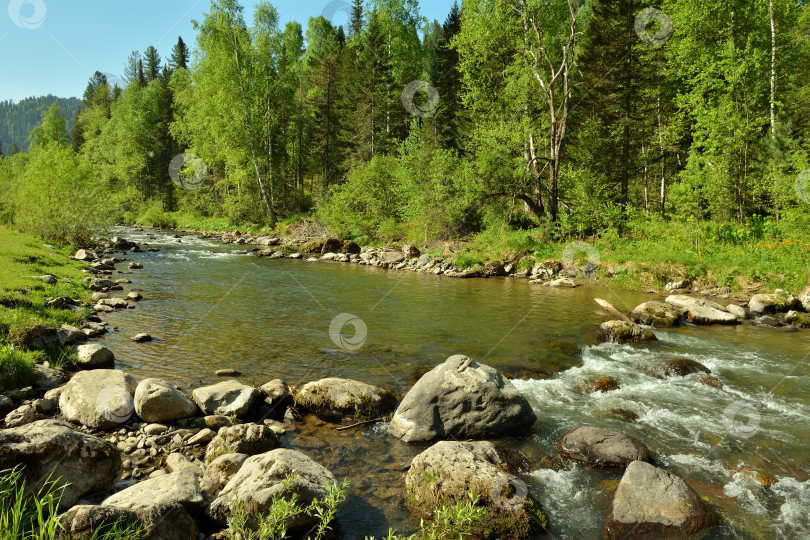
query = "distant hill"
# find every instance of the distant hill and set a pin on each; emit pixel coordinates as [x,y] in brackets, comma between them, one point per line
[18,119]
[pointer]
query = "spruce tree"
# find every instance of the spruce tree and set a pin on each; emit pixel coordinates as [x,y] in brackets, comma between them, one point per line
[14,150]
[152,66]
[356,20]
[180,55]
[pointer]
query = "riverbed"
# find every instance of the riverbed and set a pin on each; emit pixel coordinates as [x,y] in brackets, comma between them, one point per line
[212,306]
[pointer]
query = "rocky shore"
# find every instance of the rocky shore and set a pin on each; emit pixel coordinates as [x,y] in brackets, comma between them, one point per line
[144,452]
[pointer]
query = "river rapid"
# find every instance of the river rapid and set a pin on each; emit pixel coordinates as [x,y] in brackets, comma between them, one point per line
[211,306]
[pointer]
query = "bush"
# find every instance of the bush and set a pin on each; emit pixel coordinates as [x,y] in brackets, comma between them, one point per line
[153,215]
[58,197]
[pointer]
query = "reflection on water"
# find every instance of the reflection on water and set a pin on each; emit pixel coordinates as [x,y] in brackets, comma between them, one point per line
[211,307]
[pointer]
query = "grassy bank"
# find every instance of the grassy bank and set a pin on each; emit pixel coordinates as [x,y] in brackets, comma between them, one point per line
[759,255]
[24,297]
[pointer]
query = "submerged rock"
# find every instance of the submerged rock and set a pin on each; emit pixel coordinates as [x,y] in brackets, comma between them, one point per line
[601,447]
[624,332]
[657,314]
[448,471]
[262,476]
[463,399]
[652,503]
[333,398]
[52,449]
[681,367]
[225,398]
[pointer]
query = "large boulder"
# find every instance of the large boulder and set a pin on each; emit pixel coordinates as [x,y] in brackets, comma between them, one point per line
[702,311]
[448,471]
[263,476]
[652,503]
[601,447]
[158,401]
[51,449]
[24,414]
[180,486]
[778,302]
[463,399]
[334,398]
[98,399]
[657,314]
[619,331]
[250,439]
[226,397]
[94,356]
[162,521]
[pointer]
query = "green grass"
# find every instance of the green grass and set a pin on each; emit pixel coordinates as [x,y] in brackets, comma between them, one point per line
[23,299]
[34,516]
[757,255]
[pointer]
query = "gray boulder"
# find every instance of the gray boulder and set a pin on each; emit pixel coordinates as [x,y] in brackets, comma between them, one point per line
[702,311]
[226,397]
[85,255]
[158,401]
[250,439]
[20,416]
[49,378]
[778,302]
[738,311]
[182,486]
[220,471]
[98,399]
[601,447]
[334,398]
[52,449]
[445,473]
[463,399]
[657,314]
[95,356]
[619,331]
[263,476]
[6,405]
[161,521]
[652,503]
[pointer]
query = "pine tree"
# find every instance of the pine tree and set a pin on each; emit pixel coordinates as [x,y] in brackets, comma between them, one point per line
[180,55]
[141,76]
[447,80]
[356,20]
[14,150]
[152,66]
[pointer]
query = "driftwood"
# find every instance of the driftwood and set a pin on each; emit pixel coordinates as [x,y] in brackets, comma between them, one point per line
[607,306]
[363,423]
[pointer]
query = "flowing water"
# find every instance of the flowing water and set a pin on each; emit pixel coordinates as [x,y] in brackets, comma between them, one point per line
[211,307]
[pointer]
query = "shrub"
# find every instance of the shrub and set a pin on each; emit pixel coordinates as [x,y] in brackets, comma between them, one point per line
[16,368]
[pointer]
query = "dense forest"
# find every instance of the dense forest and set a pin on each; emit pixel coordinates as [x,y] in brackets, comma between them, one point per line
[18,119]
[575,118]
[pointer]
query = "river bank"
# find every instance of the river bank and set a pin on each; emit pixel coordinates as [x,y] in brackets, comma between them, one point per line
[367,454]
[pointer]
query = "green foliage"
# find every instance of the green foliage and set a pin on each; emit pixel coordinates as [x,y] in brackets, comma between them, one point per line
[18,119]
[153,215]
[16,368]
[56,196]
[455,522]
[33,515]
[283,508]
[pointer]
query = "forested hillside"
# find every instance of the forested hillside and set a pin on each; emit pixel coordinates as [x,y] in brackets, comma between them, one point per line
[568,119]
[18,119]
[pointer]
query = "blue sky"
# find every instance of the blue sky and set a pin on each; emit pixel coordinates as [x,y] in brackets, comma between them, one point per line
[54,46]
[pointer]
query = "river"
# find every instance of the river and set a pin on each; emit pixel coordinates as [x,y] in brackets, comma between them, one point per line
[211,307]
